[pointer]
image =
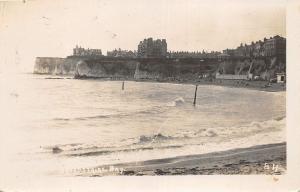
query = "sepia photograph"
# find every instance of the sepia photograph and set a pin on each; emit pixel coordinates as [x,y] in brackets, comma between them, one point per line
[103,89]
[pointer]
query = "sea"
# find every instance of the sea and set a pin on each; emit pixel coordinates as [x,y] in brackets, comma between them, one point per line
[53,124]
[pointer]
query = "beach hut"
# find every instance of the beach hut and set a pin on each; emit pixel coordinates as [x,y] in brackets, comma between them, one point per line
[280,77]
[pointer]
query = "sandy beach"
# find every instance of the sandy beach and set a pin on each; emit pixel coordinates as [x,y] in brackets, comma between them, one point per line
[261,159]
[254,84]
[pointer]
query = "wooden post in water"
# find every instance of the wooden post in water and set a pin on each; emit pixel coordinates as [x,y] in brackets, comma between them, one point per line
[195,97]
[123,85]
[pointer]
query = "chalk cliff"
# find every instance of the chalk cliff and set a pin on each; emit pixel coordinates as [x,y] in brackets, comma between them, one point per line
[105,68]
[157,69]
[55,65]
[266,68]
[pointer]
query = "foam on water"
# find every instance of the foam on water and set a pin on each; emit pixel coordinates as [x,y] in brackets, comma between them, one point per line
[177,102]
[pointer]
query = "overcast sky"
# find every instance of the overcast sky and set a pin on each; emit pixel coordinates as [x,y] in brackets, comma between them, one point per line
[54,27]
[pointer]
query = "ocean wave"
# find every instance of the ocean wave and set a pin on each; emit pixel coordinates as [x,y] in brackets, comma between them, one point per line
[148,111]
[275,123]
[206,133]
[177,102]
[176,140]
[105,152]
[251,128]
[140,143]
[153,138]
[83,118]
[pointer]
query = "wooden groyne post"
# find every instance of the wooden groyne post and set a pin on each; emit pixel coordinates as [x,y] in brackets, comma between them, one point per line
[123,85]
[195,96]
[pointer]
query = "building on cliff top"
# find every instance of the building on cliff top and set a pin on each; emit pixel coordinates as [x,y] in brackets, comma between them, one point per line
[82,52]
[122,53]
[272,47]
[149,48]
[193,54]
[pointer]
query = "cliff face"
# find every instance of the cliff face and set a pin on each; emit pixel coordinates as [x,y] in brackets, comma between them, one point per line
[174,68]
[106,68]
[266,68]
[159,69]
[55,66]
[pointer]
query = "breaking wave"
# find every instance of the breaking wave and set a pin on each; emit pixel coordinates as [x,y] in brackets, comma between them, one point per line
[153,110]
[105,152]
[252,128]
[161,141]
[177,102]
[206,133]
[153,138]
[141,143]
[148,111]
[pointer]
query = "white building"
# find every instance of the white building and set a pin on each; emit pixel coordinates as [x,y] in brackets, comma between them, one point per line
[280,77]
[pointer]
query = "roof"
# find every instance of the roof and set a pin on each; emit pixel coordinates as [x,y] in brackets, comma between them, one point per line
[223,55]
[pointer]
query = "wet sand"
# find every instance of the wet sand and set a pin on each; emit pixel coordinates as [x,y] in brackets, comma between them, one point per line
[260,159]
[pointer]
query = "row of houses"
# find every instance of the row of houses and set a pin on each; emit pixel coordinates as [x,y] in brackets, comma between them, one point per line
[150,48]
[122,53]
[274,46]
[82,52]
[193,54]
